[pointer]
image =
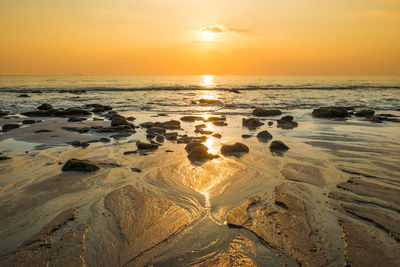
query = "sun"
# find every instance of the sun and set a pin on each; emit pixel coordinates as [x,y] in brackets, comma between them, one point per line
[207,36]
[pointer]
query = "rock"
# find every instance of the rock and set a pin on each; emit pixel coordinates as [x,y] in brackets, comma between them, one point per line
[219,123]
[217,135]
[130,152]
[237,149]
[234,91]
[198,152]
[189,139]
[2,113]
[264,136]
[43,131]
[372,118]
[79,144]
[239,215]
[146,146]
[120,135]
[76,119]
[245,136]
[98,108]
[214,119]
[130,118]
[147,125]
[28,121]
[251,123]
[35,113]
[191,118]
[23,95]
[8,127]
[364,113]
[4,158]
[171,125]
[119,120]
[171,136]
[209,102]
[260,112]
[278,146]
[201,131]
[330,112]
[143,220]
[71,111]
[155,131]
[136,170]
[286,122]
[270,123]
[160,139]
[80,165]
[45,106]
[76,129]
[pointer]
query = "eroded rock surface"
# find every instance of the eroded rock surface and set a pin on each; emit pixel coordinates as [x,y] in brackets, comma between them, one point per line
[144,220]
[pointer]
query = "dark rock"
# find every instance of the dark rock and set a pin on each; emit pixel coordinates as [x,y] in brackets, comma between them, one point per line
[45,106]
[251,123]
[206,132]
[278,146]
[234,91]
[171,125]
[189,139]
[270,123]
[236,149]
[260,112]
[8,127]
[79,144]
[217,135]
[100,109]
[372,118]
[120,135]
[198,152]
[155,131]
[214,119]
[43,131]
[130,118]
[264,136]
[80,165]
[191,118]
[23,95]
[287,122]
[136,170]
[76,119]
[245,136]
[171,136]
[119,120]
[28,121]
[169,151]
[130,152]
[219,123]
[330,112]
[364,113]
[147,125]
[4,158]
[35,113]
[2,113]
[160,139]
[150,136]
[146,146]
[76,129]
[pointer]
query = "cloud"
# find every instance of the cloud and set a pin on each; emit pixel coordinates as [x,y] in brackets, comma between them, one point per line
[217,28]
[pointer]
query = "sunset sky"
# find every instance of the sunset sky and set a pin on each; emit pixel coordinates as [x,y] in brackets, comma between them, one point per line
[185,37]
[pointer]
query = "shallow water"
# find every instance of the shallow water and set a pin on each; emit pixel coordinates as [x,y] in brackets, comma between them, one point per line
[33,190]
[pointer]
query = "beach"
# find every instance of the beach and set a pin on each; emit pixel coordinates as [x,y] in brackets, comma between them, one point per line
[166,175]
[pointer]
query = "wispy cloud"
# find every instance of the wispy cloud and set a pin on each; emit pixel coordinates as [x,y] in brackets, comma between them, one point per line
[218,28]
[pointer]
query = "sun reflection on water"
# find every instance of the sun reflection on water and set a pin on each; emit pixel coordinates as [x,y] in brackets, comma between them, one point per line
[207,81]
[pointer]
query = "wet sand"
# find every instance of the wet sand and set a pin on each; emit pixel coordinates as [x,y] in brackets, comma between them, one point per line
[332,199]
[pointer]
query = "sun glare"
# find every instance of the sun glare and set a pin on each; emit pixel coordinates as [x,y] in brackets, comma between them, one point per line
[207,80]
[207,36]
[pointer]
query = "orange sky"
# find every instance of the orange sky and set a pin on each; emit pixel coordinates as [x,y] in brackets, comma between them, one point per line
[185,37]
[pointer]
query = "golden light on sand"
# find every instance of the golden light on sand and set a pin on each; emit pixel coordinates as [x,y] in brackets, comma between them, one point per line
[210,144]
[207,80]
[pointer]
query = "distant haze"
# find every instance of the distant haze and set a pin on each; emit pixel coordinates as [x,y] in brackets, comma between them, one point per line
[191,37]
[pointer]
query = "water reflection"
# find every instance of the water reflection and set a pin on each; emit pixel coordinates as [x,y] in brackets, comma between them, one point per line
[207,81]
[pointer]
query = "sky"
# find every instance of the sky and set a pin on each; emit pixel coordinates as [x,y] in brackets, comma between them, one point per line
[200,37]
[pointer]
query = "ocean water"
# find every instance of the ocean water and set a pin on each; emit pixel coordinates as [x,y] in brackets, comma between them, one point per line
[176,93]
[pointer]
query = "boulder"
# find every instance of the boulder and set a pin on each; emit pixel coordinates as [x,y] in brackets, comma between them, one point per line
[286,122]
[365,113]
[198,152]
[8,127]
[278,146]
[160,139]
[119,120]
[45,106]
[146,146]
[260,112]
[330,112]
[251,123]
[171,125]
[80,165]
[236,149]
[264,136]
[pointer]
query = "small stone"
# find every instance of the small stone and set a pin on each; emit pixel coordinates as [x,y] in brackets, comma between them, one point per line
[160,139]
[364,113]
[43,131]
[7,127]
[330,112]
[136,170]
[245,136]
[4,158]
[237,148]
[146,146]
[251,123]
[28,121]
[217,135]
[45,106]
[264,136]
[260,112]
